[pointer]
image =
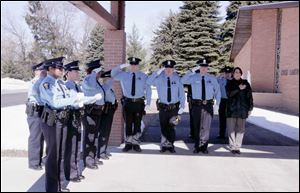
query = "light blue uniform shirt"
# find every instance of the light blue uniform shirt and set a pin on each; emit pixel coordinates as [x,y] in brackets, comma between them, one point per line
[34,90]
[161,83]
[91,87]
[141,88]
[55,94]
[109,92]
[222,82]
[212,88]
[71,85]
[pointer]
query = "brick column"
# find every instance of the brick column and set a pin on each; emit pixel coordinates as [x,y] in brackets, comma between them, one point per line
[114,54]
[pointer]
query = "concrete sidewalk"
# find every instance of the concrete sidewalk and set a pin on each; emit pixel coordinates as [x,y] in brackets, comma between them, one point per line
[258,168]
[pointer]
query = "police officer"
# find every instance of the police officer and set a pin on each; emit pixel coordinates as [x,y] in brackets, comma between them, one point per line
[34,109]
[222,80]
[56,98]
[74,173]
[135,91]
[110,107]
[171,101]
[205,88]
[93,114]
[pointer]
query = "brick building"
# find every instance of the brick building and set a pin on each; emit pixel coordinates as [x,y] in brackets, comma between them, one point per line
[266,46]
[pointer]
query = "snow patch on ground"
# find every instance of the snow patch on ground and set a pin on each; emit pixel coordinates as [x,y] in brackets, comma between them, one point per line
[13,84]
[287,125]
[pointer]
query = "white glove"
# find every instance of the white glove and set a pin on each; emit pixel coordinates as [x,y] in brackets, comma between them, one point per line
[147,108]
[98,96]
[195,69]
[90,121]
[97,70]
[80,104]
[80,96]
[160,71]
[124,65]
[180,111]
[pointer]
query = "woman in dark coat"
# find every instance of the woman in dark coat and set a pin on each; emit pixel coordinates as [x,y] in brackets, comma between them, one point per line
[239,107]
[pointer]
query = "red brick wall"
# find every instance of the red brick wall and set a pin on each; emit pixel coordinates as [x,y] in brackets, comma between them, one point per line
[114,54]
[289,59]
[264,24]
[243,59]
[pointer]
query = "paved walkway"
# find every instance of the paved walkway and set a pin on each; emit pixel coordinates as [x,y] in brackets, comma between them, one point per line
[258,168]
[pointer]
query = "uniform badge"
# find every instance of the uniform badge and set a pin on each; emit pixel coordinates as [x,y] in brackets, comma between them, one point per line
[46,85]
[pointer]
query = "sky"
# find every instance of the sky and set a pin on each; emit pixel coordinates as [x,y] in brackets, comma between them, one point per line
[146,15]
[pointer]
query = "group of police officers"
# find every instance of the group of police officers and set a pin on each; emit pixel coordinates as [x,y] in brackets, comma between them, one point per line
[75,120]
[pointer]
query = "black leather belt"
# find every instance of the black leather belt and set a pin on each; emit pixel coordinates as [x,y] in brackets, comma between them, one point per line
[134,100]
[202,102]
[168,107]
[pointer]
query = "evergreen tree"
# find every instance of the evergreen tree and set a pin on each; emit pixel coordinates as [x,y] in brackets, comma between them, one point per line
[134,47]
[227,29]
[196,35]
[95,49]
[163,43]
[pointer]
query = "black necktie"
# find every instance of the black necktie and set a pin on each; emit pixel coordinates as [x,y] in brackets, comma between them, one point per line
[169,89]
[133,85]
[203,88]
[76,86]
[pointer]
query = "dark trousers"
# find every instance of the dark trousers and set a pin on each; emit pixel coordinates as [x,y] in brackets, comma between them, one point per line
[222,117]
[91,124]
[192,130]
[35,140]
[55,166]
[167,129]
[133,114]
[202,122]
[73,148]
[105,129]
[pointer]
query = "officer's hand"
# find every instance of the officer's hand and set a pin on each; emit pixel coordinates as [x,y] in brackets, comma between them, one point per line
[181,110]
[160,71]
[147,108]
[80,104]
[242,86]
[80,96]
[97,70]
[249,113]
[124,65]
[195,69]
[98,96]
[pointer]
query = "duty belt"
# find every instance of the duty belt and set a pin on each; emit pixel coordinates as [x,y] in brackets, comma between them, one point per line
[134,100]
[168,107]
[202,102]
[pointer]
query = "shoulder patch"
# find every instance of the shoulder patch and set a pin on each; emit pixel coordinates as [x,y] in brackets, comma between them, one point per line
[46,85]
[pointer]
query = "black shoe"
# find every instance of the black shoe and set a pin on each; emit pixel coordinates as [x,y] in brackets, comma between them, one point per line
[76,180]
[107,154]
[37,168]
[163,149]
[233,151]
[205,151]
[137,148]
[99,162]
[238,152]
[172,150]
[93,167]
[81,177]
[65,190]
[196,150]
[127,148]
[104,157]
